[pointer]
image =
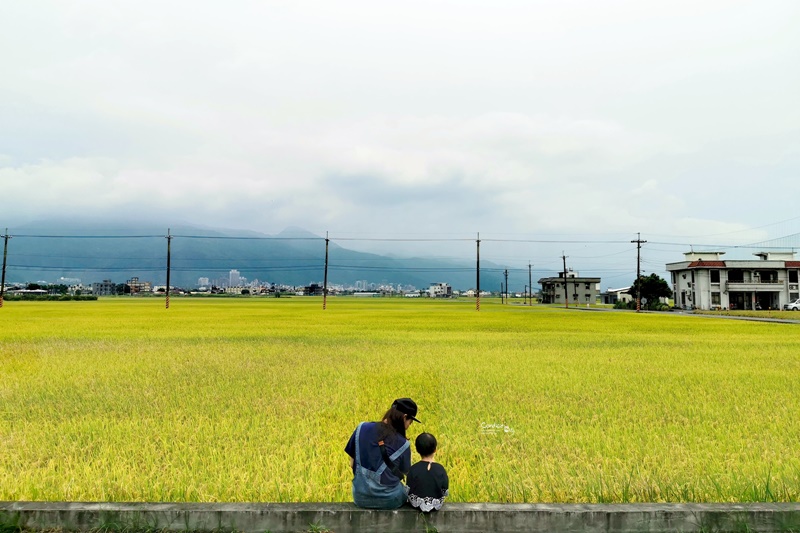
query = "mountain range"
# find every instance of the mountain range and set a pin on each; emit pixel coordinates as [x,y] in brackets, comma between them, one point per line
[93,250]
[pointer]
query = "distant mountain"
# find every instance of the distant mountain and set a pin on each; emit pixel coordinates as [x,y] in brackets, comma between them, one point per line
[93,250]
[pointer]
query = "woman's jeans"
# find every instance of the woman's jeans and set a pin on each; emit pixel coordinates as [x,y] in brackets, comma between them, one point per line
[370,494]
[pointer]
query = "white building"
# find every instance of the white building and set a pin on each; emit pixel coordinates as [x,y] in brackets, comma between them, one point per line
[612,296]
[440,290]
[237,290]
[705,281]
[234,279]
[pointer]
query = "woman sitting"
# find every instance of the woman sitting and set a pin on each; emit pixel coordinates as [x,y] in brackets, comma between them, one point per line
[380,457]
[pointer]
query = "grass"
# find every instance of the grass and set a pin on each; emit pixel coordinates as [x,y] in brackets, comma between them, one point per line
[766,313]
[254,400]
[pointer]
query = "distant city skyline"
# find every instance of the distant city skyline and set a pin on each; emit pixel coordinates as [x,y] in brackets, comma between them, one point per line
[612,261]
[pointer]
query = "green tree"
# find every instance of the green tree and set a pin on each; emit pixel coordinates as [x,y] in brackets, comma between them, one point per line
[653,288]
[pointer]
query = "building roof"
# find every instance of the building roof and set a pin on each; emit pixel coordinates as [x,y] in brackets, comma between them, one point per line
[698,256]
[706,264]
[569,280]
[740,263]
[623,289]
[775,256]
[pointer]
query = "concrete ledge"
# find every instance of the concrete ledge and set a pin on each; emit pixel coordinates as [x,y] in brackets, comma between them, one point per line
[346,518]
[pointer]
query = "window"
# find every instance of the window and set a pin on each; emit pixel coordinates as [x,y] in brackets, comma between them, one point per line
[588,286]
[714,276]
[715,299]
[793,276]
[767,276]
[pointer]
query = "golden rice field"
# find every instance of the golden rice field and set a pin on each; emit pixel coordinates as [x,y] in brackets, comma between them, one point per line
[254,400]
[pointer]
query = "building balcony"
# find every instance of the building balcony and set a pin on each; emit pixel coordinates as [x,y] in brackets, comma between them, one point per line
[755,286]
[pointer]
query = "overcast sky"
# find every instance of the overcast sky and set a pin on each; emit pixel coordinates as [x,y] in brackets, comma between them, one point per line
[582,121]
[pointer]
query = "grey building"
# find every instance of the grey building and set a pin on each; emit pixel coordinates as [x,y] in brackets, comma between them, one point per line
[106,288]
[578,290]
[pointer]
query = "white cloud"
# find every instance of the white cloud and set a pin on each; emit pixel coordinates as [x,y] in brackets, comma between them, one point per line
[519,117]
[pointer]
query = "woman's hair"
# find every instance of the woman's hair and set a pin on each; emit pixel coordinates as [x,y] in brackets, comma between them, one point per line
[426,444]
[392,422]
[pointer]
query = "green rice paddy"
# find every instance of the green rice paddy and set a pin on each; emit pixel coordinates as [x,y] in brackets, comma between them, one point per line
[254,400]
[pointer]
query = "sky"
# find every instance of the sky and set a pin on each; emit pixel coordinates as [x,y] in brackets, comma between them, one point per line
[544,128]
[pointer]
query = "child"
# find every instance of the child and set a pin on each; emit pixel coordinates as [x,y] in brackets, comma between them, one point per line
[427,481]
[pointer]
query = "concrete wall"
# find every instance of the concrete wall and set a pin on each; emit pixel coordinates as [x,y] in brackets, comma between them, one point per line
[346,518]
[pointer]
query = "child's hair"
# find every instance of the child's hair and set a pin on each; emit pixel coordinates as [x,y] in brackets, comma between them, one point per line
[426,444]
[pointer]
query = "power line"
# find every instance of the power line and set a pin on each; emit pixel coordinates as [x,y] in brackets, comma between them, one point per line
[90,236]
[759,244]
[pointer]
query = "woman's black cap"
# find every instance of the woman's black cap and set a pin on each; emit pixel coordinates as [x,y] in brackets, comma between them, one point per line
[407,406]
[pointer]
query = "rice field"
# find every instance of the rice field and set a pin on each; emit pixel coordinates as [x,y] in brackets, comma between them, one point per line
[254,399]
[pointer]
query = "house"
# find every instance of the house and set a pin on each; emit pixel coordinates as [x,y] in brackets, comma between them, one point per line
[440,290]
[703,280]
[106,288]
[137,286]
[236,290]
[612,296]
[27,292]
[579,290]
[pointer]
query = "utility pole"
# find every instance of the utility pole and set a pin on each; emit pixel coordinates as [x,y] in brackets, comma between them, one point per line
[325,280]
[5,256]
[639,243]
[169,243]
[478,276]
[530,285]
[506,275]
[566,292]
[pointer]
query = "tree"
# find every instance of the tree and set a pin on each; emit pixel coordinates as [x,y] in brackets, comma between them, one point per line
[651,288]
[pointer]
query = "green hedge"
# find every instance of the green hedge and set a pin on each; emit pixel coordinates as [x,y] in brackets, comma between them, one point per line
[48,298]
